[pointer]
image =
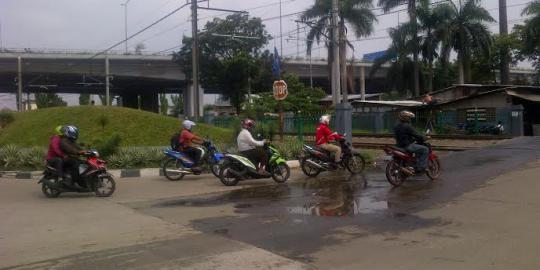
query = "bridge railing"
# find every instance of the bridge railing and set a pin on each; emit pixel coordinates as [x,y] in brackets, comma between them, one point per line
[75,51]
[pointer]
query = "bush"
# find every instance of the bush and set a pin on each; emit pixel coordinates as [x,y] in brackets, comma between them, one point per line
[108,146]
[6,117]
[136,157]
[289,149]
[13,157]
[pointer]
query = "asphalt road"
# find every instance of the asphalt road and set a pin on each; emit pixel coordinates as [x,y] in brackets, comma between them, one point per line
[334,221]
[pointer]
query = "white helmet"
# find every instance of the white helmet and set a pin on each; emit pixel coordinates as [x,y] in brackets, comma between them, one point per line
[325,119]
[188,124]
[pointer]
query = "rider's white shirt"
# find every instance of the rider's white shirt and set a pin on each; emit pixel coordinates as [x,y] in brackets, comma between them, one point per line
[246,142]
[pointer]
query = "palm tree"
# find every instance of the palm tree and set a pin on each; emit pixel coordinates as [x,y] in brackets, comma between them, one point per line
[355,13]
[433,28]
[388,5]
[398,55]
[468,34]
[531,29]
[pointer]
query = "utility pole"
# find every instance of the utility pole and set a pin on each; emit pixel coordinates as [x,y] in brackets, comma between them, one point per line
[503,31]
[335,51]
[19,85]
[297,40]
[194,93]
[125,22]
[280,31]
[107,96]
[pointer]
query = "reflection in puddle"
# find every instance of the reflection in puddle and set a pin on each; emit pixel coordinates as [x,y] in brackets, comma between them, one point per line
[360,205]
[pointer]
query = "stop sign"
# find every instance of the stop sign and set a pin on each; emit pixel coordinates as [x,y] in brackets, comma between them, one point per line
[280,90]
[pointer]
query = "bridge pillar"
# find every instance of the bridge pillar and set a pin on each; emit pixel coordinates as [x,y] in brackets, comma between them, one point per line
[147,101]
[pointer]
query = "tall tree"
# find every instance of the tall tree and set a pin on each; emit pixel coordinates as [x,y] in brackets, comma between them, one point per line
[433,23]
[388,5]
[46,100]
[530,33]
[84,99]
[468,34]
[163,104]
[354,13]
[224,57]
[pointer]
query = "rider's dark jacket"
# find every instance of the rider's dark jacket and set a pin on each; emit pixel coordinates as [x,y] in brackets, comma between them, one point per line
[405,134]
[69,147]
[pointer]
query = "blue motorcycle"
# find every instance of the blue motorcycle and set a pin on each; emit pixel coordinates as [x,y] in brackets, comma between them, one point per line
[177,164]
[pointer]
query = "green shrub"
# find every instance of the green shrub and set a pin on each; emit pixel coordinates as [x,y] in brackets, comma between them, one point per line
[103,121]
[13,157]
[136,157]
[108,146]
[6,117]
[289,149]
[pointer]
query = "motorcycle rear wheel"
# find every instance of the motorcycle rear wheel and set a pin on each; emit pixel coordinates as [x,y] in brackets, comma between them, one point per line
[226,177]
[173,164]
[434,169]
[48,190]
[105,186]
[307,169]
[394,175]
[281,173]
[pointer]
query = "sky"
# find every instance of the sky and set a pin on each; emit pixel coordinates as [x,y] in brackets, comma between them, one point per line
[98,24]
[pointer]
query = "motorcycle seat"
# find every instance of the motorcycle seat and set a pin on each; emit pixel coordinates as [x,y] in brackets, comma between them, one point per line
[399,149]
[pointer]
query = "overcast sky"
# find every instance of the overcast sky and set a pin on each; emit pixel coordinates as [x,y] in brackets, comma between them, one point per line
[98,24]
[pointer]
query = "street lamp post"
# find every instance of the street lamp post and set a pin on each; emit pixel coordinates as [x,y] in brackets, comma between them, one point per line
[125,22]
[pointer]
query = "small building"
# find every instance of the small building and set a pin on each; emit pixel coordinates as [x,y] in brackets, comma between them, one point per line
[326,102]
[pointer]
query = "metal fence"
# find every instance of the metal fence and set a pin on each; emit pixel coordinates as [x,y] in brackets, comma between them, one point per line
[452,122]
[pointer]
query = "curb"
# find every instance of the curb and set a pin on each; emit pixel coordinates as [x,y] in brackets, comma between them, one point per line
[122,173]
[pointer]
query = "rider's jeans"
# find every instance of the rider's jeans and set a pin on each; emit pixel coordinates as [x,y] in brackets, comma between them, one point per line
[334,149]
[422,154]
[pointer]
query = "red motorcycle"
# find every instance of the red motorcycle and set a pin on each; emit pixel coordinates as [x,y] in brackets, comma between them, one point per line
[93,178]
[401,164]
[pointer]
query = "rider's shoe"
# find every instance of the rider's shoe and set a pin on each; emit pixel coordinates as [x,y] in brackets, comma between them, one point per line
[196,170]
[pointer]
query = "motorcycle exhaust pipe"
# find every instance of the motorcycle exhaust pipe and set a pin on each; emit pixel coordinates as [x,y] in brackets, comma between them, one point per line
[179,171]
[314,164]
[406,171]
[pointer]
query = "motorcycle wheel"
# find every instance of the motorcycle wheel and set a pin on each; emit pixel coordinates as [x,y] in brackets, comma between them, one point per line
[170,168]
[434,169]
[394,175]
[105,186]
[355,164]
[48,190]
[281,173]
[227,178]
[307,169]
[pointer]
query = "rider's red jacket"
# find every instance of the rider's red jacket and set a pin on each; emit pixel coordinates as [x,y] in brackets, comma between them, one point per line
[324,135]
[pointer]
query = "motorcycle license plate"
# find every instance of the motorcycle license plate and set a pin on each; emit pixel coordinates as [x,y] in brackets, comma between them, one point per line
[387,158]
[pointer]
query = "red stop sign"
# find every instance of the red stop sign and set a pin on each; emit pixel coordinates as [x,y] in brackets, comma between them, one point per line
[280,90]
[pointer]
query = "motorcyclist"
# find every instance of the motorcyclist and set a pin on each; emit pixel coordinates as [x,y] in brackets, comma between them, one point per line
[72,150]
[406,137]
[324,136]
[55,156]
[251,148]
[186,139]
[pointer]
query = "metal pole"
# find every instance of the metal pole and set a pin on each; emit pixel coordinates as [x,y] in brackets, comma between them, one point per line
[107,97]
[503,31]
[297,40]
[125,24]
[195,60]
[280,31]
[335,46]
[310,73]
[363,83]
[19,84]
[1,43]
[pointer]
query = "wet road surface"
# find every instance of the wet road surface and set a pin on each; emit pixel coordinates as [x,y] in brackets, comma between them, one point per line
[301,217]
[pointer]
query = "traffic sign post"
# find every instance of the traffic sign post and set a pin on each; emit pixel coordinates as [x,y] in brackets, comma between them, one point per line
[280,93]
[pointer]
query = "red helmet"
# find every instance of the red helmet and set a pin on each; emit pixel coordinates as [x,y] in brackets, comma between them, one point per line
[248,123]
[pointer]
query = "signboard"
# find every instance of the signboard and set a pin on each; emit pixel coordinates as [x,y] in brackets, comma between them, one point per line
[280,90]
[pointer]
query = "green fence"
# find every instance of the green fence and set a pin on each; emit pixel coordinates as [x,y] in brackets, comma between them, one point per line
[458,122]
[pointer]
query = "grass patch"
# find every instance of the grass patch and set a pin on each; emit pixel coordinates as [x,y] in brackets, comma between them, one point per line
[134,127]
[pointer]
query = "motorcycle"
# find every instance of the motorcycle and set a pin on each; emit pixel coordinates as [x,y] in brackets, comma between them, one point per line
[236,168]
[177,164]
[93,177]
[315,160]
[401,164]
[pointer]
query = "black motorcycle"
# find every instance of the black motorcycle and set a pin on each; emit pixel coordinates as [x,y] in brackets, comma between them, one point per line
[315,160]
[93,177]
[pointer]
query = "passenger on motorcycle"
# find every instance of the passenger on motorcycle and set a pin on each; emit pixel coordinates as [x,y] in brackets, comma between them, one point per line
[406,136]
[186,139]
[251,148]
[55,156]
[324,136]
[71,150]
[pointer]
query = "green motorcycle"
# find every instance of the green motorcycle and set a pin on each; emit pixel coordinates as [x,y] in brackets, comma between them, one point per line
[237,168]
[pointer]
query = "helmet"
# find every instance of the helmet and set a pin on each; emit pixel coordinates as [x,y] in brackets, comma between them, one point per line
[325,119]
[406,116]
[71,132]
[58,131]
[188,124]
[248,123]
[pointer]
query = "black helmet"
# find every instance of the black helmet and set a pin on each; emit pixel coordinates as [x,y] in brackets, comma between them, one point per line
[71,132]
